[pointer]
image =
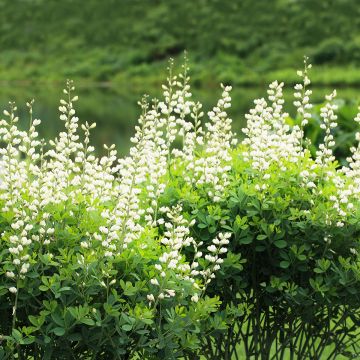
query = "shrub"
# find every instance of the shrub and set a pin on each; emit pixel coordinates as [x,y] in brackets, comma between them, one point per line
[191,245]
[290,281]
[92,266]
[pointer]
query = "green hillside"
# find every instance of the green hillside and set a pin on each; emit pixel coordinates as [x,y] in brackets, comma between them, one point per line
[241,41]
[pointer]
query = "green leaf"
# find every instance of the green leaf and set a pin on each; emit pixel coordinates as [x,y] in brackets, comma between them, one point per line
[3,290]
[280,244]
[87,321]
[246,240]
[36,321]
[284,264]
[260,248]
[127,327]
[58,319]
[28,340]
[16,334]
[58,331]
[74,312]
[212,229]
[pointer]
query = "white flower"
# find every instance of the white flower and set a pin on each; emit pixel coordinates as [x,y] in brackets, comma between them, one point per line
[195,298]
[10,274]
[170,292]
[84,245]
[154,282]
[151,297]
[212,248]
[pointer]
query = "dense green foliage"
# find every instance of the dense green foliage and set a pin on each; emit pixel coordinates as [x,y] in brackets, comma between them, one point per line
[290,281]
[242,41]
[76,304]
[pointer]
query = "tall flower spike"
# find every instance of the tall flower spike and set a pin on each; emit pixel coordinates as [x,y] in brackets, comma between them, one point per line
[13,169]
[193,141]
[172,264]
[354,160]
[213,166]
[156,159]
[324,155]
[166,107]
[268,138]
[302,95]
[64,147]
[352,171]
[183,108]
[123,222]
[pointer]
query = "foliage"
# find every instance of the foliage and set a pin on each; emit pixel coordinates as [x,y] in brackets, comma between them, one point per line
[290,279]
[191,245]
[120,39]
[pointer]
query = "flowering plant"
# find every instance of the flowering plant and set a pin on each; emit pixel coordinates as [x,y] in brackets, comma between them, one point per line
[91,260]
[289,285]
[189,245]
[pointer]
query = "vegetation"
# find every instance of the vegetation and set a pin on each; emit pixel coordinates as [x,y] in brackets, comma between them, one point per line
[242,42]
[117,50]
[192,245]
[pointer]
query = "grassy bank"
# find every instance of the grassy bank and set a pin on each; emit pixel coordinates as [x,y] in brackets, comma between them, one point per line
[87,69]
[242,42]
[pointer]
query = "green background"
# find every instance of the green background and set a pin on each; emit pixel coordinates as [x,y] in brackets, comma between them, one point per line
[117,50]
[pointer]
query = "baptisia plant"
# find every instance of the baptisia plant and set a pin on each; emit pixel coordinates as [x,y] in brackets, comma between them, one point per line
[289,284]
[192,245]
[93,263]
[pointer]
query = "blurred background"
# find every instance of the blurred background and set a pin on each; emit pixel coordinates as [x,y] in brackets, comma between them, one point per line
[117,50]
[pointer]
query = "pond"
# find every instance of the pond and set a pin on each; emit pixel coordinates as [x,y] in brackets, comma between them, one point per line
[115,109]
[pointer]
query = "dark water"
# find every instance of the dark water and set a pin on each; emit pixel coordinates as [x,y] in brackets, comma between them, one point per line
[115,109]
